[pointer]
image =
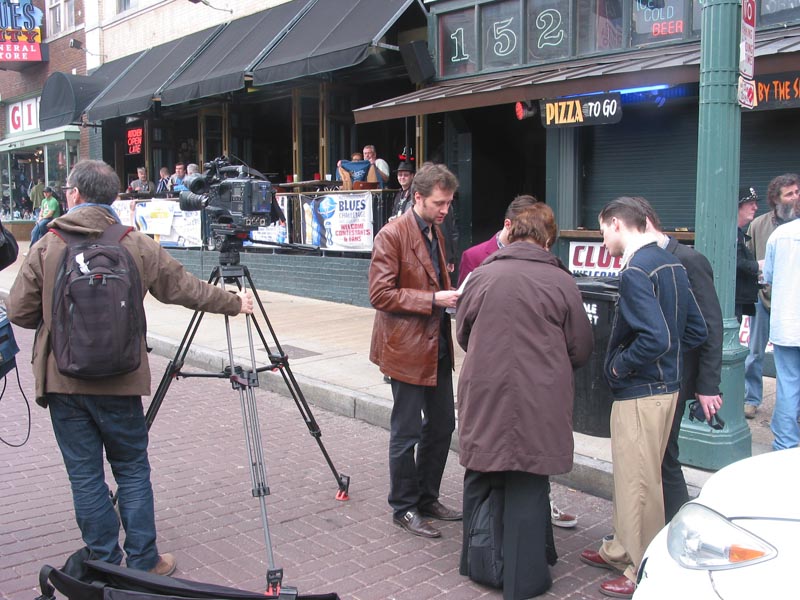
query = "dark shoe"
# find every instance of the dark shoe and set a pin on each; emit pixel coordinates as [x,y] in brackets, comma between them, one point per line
[593,559]
[165,566]
[619,587]
[437,510]
[750,411]
[416,525]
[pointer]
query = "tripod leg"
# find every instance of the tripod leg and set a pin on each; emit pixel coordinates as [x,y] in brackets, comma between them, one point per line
[281,362]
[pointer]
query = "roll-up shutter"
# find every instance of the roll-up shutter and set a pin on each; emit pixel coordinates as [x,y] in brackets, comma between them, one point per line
[652,152]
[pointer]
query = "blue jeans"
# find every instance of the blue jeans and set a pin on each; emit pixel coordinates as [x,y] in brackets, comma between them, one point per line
[784,424]
[754,363]
[84,426]
[39,230]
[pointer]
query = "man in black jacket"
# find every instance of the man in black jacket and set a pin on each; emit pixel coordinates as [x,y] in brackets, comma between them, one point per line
[702,366]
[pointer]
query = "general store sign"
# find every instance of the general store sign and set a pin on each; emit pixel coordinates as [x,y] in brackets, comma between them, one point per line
[23,116]
[20,33]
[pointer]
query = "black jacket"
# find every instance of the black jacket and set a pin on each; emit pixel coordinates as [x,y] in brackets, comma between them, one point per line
[746,275]
[702,366]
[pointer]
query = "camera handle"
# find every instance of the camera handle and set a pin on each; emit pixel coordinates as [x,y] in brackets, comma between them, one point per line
[245,381]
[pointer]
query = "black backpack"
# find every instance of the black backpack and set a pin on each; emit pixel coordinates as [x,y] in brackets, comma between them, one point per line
[485,546]
[98,320]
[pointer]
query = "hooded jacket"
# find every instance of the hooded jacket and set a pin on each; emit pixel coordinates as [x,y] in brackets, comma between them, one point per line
[30,301]
[522,323]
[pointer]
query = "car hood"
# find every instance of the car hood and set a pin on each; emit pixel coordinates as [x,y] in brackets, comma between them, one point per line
[764,486]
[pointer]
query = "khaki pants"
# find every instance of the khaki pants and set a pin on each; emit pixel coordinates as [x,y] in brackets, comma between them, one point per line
[639,431]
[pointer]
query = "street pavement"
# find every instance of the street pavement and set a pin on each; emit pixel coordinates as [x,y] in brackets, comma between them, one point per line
[206,514]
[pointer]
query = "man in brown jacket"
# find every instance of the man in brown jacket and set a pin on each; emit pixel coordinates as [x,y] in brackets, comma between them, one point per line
[412,344]
[91,416]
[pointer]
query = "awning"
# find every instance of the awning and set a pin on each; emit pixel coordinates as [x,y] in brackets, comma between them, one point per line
[33,139]
[222,65]
[332,35]
[671,65]
[66,96]
[134,91]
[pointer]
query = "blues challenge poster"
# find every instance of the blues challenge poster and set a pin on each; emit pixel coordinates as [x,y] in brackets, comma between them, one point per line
[340,221]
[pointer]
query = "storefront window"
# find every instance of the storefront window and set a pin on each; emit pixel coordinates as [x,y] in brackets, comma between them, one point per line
[600,26]
[658,21]
[779,11]
[458,52]
[56,165]
[549,29]
[501,34]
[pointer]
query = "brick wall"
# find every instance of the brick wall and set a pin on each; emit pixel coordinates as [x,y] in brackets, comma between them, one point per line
[322,277]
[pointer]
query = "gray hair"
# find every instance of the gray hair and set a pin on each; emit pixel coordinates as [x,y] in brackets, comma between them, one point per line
[96,181]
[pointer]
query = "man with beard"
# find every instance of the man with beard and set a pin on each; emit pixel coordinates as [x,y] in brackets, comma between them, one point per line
[782,194]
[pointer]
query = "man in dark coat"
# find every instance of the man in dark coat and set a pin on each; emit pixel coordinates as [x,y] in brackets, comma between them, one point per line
[522,322]
[702,366]
[747,267]
[412,344]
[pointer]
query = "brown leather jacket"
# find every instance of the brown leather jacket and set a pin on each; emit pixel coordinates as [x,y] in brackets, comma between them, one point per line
[402,282]
[30,301]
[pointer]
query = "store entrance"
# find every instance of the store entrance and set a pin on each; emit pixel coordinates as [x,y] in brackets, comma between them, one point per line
[505,157]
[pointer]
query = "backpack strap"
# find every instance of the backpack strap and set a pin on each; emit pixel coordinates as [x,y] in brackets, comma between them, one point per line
[48,591]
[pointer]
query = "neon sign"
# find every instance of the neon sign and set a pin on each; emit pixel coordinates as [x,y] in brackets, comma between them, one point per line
[134,137]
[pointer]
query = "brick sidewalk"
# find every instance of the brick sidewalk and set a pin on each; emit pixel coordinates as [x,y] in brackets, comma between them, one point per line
[209,520]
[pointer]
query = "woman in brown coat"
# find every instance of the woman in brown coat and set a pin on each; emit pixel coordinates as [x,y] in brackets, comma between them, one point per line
[522,323]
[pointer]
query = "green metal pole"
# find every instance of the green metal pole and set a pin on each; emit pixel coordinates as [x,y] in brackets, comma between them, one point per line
[718,147]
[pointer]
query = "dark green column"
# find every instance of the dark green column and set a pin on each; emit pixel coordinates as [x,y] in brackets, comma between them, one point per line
[715,220]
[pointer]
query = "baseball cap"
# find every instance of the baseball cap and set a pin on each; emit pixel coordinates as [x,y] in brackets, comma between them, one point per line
[747,194]
[48,189]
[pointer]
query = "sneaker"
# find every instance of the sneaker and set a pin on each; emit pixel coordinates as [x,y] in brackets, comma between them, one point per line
[750,411]
[165,566]
[561,519]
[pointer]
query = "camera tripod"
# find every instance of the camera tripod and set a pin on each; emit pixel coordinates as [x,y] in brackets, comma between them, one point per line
[244,380]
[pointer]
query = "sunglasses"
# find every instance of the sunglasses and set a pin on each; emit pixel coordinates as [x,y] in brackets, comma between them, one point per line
[696,414]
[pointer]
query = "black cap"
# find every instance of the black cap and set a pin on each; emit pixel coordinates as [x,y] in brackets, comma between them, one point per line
[405,166]
[48,189]
[747,194]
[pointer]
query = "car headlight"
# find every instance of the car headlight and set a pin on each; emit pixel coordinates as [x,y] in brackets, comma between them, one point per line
[701,538]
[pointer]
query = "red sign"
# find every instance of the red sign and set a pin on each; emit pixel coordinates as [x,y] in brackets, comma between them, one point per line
[134,138]
[747,48]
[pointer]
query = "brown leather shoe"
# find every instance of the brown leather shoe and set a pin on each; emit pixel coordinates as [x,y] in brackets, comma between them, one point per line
[619,587]
[593,559]
[416,525]
[166,565]
[437,510]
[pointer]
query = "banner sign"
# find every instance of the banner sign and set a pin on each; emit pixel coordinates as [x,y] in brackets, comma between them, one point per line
[592,259]
[275,232]
[20,32]
[781,90]
[337,221]
[155,217]
[597,109]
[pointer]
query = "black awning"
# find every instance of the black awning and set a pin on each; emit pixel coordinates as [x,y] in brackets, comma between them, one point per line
[66,96]
[332,35]
[222,65]
[134,92]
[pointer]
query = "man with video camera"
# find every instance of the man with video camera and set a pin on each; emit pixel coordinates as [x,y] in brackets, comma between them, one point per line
[91,416]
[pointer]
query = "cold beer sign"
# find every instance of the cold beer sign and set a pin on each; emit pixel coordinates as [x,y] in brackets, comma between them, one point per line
[597,109]
[592,260]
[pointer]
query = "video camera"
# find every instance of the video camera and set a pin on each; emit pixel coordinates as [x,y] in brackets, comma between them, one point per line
[236,198]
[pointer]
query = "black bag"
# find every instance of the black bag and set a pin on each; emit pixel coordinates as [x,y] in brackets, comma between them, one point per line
[485,547]
[9,250]
[98,320]
[8,346]
[82,578]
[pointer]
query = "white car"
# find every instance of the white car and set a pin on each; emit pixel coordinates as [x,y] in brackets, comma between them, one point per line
[740,538]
